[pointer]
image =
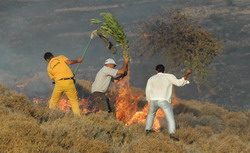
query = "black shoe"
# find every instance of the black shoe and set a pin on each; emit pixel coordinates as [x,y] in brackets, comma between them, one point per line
[174,137]
[148,132]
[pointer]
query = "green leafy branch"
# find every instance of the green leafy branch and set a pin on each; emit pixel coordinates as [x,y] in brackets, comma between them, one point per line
[110,27]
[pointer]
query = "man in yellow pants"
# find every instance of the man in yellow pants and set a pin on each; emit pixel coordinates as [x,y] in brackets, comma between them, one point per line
[59,71]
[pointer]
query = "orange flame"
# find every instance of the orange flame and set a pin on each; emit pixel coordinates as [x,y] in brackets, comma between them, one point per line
[39,100]
[146,35]
[127,109]
[126,101]
[64,104]
[22,86]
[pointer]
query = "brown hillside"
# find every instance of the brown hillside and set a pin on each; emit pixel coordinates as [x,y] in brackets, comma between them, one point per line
[26,127]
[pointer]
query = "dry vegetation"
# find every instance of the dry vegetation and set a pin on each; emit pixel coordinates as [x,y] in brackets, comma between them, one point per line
[202,127]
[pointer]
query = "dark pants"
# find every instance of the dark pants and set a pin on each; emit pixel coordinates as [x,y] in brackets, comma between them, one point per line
[101,102]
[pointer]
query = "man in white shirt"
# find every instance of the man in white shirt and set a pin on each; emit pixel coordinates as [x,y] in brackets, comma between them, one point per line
[102,81]
[158,94]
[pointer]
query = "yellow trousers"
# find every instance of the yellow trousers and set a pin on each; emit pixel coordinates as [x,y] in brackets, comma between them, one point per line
[67,87]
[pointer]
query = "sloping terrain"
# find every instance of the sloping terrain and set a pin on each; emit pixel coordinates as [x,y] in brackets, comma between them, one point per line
[202,127]
[31,27]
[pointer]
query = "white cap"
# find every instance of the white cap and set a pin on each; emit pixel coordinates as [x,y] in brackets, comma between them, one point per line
[110,61]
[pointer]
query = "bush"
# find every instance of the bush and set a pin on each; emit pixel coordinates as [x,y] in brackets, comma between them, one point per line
[100,127]
[157,143]
[236,122]
[191,135]
[15,101]
[223,143]
[20,133]
[35,128]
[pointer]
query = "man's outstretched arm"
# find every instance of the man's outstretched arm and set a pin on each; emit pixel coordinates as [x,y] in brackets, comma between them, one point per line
[180,82]
[69,61]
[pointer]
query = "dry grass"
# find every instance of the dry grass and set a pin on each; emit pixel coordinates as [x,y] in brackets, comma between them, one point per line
[157,143]
[191,135]
[202,127]
[20,133]
[223,143]
[237,122]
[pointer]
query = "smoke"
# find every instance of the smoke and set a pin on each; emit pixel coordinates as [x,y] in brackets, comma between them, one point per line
[29,28]
[10,64]
[20,60]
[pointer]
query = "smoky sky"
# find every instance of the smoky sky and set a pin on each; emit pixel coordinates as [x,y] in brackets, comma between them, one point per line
[29,28]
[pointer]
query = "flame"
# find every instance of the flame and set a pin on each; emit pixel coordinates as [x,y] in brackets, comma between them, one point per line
[84,103]
[39,100]
[146,35]
[127,107]
[139,117]
[22,86]
[64,104]
[126,104]
[174,98]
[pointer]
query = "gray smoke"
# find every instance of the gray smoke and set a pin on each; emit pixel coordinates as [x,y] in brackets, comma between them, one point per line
[29,28]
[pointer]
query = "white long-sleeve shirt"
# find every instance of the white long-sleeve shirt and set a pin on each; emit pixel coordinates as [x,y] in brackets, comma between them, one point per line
[159,86]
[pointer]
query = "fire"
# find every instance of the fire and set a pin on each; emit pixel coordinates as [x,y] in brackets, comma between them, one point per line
[127,109]
[146,35]
[139,117]
[22,86]
[64,104]
[39,100]
[126,102]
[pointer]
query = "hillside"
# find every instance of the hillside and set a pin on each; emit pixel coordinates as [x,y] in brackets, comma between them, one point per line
[31,27]
[216,121]
[202,127]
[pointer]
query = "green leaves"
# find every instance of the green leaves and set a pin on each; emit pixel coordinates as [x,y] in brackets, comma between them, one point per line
[110,27]
[95,21]
[184,43]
